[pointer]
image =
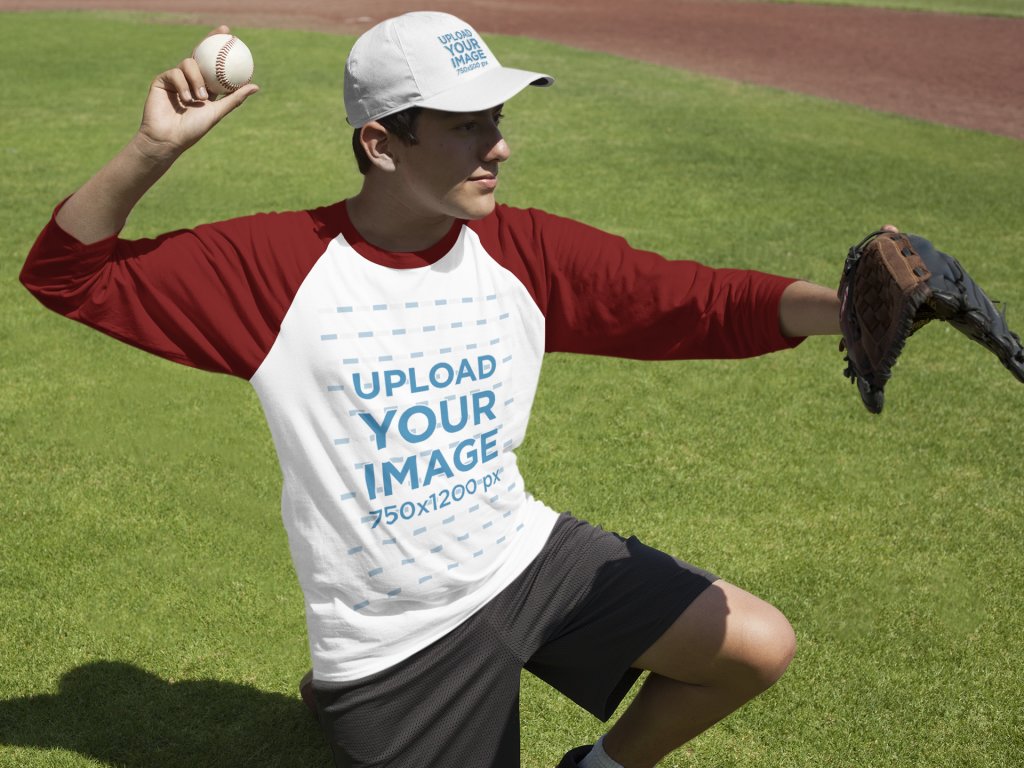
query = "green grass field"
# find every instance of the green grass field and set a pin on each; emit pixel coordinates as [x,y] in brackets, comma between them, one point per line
[150,616]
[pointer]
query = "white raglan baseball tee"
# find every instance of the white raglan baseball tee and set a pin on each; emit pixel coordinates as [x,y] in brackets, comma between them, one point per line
[397,386]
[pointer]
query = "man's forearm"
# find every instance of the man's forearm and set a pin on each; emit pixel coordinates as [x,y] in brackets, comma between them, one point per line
[101,206]
[807,309]
[177,114]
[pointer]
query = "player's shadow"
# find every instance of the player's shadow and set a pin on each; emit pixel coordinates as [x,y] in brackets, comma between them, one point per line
[120,714]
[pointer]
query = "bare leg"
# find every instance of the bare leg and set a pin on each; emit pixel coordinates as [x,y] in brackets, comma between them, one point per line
[726,648]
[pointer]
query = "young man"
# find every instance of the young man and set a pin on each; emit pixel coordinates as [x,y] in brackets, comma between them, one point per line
[395,340]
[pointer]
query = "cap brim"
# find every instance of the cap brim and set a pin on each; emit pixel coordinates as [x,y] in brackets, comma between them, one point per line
[488,89]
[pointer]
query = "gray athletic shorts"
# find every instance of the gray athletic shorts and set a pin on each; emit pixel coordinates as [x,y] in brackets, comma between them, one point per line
[578,617]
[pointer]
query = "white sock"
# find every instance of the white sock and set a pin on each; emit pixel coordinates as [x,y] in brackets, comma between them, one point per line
[598,758]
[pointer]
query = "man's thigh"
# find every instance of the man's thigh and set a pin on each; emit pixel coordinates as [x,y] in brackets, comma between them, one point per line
[624,596]
[726,634]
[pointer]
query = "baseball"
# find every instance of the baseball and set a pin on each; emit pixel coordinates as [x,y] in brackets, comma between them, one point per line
[225,62]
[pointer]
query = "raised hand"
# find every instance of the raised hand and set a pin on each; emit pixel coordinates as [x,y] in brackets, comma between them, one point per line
[179,111]
[177,114]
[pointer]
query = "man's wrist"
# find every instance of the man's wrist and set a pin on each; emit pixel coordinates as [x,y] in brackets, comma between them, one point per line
[807,309]
[158,155]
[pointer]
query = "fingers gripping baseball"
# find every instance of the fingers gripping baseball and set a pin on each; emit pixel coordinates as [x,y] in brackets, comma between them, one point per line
[180,109]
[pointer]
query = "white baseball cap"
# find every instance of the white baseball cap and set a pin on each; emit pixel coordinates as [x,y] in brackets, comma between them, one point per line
[426,59]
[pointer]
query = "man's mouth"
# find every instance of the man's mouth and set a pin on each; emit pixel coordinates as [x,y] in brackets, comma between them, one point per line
[485,180]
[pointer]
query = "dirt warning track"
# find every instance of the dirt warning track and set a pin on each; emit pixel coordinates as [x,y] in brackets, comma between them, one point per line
[965,71]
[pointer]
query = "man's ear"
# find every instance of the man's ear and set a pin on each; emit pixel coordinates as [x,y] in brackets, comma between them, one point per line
[377,144]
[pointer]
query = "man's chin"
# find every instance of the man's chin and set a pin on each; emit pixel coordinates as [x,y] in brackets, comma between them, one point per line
[478,209]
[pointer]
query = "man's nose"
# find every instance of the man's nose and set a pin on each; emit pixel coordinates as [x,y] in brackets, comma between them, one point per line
[498,150]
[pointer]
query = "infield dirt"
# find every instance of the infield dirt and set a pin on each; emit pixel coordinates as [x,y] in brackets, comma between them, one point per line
[959,70]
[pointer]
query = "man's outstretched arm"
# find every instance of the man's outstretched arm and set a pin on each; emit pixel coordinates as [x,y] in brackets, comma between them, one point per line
[807,309]
[178,112]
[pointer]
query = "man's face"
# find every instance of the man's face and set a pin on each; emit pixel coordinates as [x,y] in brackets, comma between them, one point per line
[453,167]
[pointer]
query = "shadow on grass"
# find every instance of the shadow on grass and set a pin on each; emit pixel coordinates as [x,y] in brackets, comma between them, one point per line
[118,713]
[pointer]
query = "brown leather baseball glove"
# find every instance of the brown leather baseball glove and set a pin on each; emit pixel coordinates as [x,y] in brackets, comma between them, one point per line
[892,285]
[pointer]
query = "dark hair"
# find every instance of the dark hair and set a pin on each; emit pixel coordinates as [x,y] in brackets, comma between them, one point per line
[401,125]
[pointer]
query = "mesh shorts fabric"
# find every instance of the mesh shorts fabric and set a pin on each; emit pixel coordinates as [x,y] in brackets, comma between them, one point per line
[586,608]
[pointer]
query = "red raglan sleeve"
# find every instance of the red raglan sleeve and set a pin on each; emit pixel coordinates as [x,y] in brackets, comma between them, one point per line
[601,296]
[212,297]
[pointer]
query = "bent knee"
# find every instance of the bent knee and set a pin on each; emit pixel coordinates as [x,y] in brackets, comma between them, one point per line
[767,646]
[727,637]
